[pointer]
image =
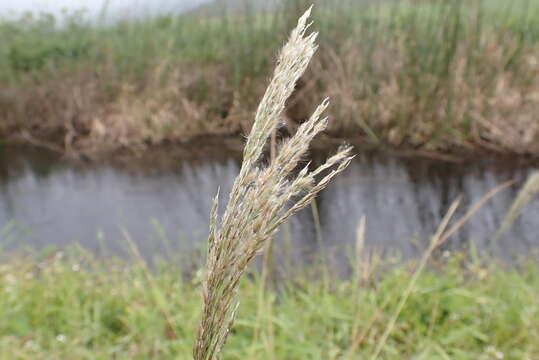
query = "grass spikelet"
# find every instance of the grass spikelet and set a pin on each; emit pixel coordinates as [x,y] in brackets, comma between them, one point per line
[262,198]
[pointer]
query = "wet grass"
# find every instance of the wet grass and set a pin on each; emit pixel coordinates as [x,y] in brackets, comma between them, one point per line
[437,76]
[77,307]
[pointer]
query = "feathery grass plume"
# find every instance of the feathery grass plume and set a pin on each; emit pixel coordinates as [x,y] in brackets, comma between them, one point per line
[526,194]
[262,197]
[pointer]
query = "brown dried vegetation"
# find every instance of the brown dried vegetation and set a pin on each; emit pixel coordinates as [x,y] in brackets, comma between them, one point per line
[442,89]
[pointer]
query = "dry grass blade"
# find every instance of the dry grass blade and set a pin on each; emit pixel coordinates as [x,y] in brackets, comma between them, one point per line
[475,208]
[262,198]
[440,237]
[529,190]
[435,241]
[360,236]
[360,243]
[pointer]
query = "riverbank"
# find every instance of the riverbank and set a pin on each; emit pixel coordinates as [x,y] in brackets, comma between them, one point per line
[435,77]
[74,306]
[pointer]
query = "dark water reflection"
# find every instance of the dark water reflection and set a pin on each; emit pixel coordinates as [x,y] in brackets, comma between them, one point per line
[46,201]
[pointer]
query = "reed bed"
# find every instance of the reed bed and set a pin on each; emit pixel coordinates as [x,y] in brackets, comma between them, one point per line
[433,76]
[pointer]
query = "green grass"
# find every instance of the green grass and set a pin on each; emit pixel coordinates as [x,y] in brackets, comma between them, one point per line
[37,43]
[78,307]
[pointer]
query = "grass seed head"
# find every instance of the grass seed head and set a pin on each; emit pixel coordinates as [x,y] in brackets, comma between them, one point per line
[262,198]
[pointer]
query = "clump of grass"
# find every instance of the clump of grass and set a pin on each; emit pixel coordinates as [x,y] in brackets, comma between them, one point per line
[79,307]
[260,194]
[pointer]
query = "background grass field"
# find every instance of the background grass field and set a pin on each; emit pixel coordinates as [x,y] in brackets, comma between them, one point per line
[71,305]
[440,76]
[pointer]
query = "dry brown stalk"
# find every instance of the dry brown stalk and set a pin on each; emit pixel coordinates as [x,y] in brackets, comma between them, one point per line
[525,196]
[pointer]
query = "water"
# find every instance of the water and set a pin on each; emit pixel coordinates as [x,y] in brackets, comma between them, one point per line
[47,201]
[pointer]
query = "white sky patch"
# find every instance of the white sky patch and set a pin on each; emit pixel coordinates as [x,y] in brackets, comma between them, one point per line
[93,8]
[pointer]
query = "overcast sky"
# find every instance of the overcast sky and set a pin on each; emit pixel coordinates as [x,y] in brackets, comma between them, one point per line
[94,7]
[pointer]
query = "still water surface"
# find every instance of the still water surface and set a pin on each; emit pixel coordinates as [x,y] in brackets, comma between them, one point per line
[46,201]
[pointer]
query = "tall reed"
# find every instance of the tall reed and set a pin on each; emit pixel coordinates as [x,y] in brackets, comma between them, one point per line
[429,76]
[262,197]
